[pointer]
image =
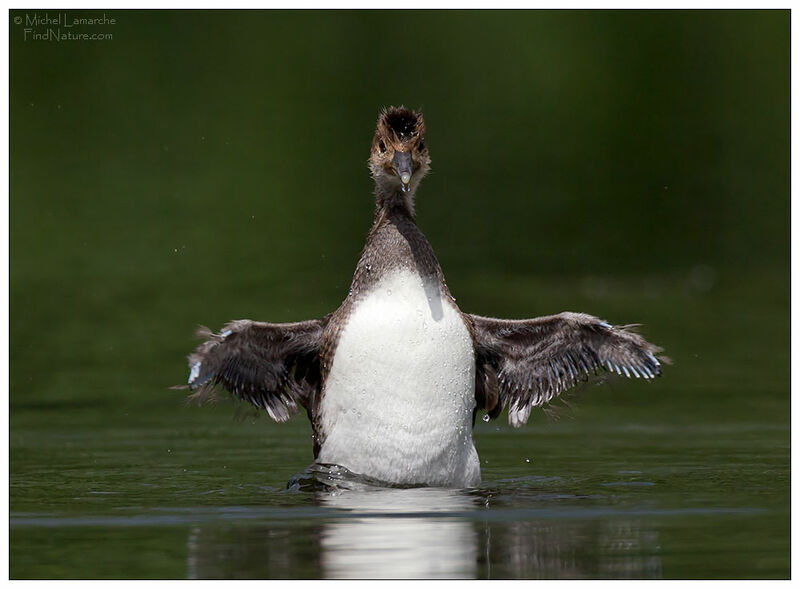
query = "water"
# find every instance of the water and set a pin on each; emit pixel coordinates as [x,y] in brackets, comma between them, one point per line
[208,166]
[192,494]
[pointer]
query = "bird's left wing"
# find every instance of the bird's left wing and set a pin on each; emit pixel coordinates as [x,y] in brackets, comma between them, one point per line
[274,366]
[527,363]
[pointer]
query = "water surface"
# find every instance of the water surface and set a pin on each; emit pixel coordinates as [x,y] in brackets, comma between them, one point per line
[196,495]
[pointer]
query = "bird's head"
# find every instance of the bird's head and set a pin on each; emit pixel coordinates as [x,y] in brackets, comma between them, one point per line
[399,157]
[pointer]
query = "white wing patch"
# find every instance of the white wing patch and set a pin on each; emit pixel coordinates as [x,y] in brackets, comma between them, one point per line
[194,372]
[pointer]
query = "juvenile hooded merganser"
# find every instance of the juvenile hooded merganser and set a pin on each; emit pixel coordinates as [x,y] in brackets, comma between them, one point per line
[393,379]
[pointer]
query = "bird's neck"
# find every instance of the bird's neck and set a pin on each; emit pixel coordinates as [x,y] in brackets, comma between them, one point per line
[392,202]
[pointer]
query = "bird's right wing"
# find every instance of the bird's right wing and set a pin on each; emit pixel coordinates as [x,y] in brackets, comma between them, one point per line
[274,366]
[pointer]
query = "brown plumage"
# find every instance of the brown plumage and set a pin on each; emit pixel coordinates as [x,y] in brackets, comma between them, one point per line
[525,364]
[273,366]
[400,132]
[519,364]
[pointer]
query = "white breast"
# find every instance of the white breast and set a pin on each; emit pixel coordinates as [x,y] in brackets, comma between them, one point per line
[398,400]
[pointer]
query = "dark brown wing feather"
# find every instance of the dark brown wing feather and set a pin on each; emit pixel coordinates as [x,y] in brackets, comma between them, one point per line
[525,364]
[274,366]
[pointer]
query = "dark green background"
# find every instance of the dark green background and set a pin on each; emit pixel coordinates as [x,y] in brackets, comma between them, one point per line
[205,166]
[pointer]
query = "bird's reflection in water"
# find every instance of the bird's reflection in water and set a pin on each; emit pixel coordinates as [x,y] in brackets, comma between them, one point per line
[614,548]
[400,533]
[426,533]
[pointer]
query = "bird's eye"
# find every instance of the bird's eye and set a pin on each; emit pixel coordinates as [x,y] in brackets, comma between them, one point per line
[421,145]
[382,145]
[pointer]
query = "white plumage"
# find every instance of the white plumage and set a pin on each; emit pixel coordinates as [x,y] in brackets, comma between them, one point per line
[399,399]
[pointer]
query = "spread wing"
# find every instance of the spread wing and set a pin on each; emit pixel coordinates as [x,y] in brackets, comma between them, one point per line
[525,364]
[274,366]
